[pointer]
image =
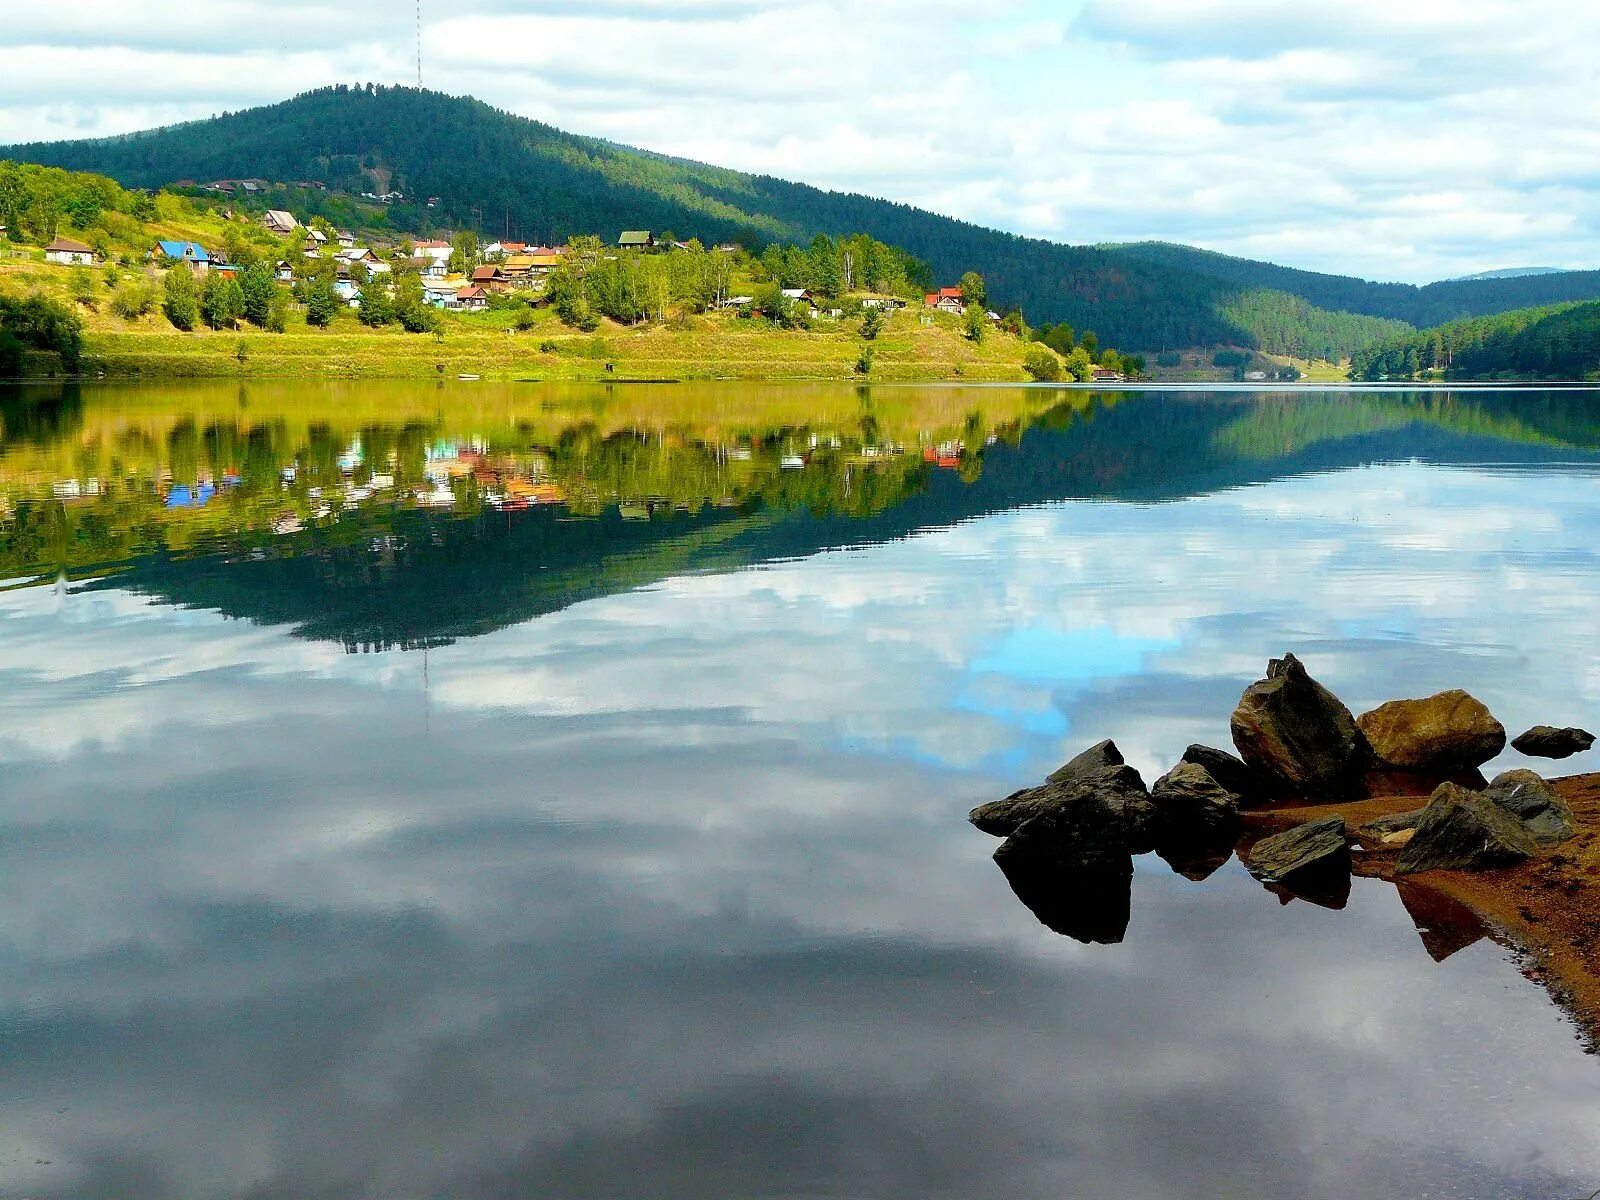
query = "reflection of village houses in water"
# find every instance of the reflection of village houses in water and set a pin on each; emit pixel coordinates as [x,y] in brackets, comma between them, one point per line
[470,474]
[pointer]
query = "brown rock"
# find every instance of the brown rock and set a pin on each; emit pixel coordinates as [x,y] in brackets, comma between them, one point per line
[1447,732]
[1291,727]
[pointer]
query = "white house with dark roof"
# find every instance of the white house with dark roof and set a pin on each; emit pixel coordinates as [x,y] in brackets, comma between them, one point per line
[69,253]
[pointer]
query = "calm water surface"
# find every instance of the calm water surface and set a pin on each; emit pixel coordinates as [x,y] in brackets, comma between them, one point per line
[494,791]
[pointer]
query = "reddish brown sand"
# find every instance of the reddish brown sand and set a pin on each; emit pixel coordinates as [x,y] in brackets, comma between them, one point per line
[1547,909]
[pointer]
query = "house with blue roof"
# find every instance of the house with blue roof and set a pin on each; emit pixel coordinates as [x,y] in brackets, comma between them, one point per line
[192,253]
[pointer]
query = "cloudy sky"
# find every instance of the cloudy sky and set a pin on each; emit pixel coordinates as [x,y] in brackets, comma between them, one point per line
[1399,141]
[681,876]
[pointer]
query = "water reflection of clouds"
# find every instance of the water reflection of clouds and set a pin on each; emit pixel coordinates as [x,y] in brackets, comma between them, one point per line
[611,915]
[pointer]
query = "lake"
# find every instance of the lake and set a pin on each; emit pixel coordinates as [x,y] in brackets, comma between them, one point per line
[495,790]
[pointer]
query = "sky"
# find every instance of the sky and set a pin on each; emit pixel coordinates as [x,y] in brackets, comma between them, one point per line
[1411,141]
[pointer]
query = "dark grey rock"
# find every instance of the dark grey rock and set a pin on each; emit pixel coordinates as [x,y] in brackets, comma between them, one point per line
[1109,808]
[1002,818]
[1310,857]
[1531,800]
[1101,756]
[1298,732]
[1546,741]
[1192,806]
[1465,831]
[1253,787]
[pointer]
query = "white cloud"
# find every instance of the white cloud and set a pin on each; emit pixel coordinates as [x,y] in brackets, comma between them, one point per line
[1391,141]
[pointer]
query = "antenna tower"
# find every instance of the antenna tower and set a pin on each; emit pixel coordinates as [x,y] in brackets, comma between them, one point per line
[419,45]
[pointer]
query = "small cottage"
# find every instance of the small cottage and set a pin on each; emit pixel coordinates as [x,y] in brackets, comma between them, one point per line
[279,222]
[69,253]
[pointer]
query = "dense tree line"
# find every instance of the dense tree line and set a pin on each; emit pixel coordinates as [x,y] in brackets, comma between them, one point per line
[1285,324]
[1554,342]
[497,171]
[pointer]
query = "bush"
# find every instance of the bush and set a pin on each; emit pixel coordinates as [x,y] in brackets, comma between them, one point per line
[133,299]
[864,363]
[1042,363]
[40,323]
[872,324]
[81,286]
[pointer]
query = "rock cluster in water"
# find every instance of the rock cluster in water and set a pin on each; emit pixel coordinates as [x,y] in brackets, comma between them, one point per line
[1069,843]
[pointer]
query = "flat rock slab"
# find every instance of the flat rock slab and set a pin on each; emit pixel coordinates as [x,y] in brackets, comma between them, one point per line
[1446,732]
[1303,858]
[1465,831]
[1546,741]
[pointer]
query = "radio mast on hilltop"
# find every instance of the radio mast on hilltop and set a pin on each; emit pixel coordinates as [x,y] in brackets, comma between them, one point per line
[419,45]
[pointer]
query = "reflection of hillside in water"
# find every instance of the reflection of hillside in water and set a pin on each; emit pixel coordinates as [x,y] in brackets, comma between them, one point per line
[437,525]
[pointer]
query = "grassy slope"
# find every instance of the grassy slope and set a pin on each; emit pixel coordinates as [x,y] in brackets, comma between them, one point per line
[717,346]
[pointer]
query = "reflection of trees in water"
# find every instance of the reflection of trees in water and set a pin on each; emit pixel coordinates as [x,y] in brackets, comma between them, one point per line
[703,502]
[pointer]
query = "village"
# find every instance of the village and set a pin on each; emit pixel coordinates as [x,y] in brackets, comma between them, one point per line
[462,275]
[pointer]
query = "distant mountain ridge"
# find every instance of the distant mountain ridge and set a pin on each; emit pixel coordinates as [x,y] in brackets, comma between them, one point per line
[490,169]
[1511,273]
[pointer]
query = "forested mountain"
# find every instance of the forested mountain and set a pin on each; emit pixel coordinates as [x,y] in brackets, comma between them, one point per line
[491,169]
[1555,342]
[1434,304]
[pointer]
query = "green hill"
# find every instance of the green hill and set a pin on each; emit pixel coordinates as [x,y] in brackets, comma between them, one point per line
[1559,341]
[489,168]
[1433,304]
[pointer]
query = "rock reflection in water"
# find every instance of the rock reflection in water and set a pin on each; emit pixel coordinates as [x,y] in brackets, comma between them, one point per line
[1088,900]
[1446,926]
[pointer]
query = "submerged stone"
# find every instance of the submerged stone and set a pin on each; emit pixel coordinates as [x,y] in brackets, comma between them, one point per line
[1089,899]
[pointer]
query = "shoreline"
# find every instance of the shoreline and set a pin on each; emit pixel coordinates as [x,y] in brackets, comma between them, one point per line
[1546,910]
